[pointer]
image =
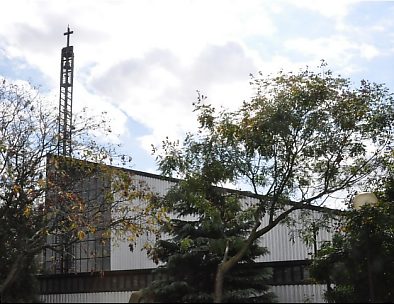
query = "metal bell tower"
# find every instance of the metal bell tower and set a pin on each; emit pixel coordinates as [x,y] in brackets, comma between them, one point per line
[66,96]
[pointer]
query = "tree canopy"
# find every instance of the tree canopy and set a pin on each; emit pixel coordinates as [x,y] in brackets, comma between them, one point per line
[41,194]
[358,265]
[303,137]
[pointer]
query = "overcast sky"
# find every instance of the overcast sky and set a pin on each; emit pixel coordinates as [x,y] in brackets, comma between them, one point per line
[142,61]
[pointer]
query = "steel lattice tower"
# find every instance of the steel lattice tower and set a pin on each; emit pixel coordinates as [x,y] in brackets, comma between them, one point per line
[66,96]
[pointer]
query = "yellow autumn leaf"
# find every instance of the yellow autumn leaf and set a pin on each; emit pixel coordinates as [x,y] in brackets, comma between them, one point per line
[81,235]
[17,188]
[106,234]
[41,182]
[27,211]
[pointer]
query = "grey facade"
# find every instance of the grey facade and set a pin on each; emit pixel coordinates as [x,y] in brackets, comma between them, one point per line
[123,271]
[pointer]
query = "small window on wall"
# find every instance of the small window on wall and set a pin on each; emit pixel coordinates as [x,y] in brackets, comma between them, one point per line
[83,256]
[94,256]
[295,274]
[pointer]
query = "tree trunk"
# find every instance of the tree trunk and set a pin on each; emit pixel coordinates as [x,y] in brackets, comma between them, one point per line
[218,295]
[228,264]
[12,274]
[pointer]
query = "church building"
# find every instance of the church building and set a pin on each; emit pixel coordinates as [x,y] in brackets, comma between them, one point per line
[106,270]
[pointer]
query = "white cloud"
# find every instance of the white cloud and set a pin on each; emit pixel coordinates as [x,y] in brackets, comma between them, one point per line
[337,49]
[116,49]
[145,59]
[158,91]
[368,51]
[337,9]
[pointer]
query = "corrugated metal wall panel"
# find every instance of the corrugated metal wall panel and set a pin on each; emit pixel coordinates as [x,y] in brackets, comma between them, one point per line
[278,240]
[299,293]
[100,297]
[160,186]
[283,248]
[124,259]
[121,256]
[285,294]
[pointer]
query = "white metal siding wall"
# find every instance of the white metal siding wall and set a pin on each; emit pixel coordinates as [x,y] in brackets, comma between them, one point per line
[158,185]
[282,248]
[278,242]
[124,259]
[99,297]
[284,293]
[121,256]
[299,293]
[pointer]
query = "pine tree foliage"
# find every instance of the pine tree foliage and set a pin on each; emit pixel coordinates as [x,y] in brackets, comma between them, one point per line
[207,222]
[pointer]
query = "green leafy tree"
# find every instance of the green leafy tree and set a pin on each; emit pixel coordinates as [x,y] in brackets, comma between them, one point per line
[42,197]
[303,137]
[358,265]
[207,221]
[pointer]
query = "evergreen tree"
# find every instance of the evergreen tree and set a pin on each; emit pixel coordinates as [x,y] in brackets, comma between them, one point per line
[208,225]
[24,290]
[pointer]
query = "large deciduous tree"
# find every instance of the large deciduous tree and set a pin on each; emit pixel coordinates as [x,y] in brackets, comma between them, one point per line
[303,137]
[43,197]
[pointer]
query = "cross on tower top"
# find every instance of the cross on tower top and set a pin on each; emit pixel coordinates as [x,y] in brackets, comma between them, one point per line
[68,33]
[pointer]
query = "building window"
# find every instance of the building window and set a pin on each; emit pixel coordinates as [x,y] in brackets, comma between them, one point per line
[69,254]
[290,274]
[92,255]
